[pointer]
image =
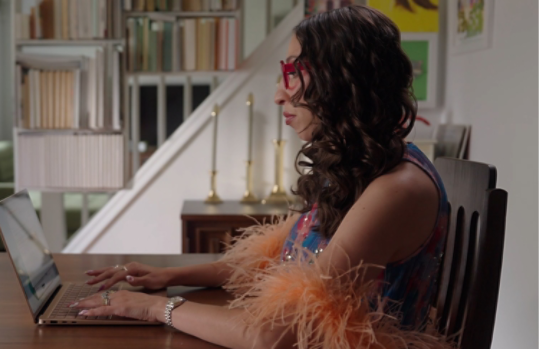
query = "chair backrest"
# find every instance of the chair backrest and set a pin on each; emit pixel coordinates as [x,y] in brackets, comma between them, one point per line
[471,265]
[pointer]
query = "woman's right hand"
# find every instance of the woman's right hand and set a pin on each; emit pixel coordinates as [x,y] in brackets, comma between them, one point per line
[137,274]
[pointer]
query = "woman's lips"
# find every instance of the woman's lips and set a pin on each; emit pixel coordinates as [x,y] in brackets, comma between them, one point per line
[288,117]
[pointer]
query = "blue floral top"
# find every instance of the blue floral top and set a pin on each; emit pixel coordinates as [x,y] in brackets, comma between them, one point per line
[408,284]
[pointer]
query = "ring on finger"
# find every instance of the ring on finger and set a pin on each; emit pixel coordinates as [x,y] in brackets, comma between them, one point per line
[105,296]
[120,266]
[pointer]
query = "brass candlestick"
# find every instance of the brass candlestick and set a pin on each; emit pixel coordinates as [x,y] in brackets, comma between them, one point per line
[213,198]
[248,196]
[278,193]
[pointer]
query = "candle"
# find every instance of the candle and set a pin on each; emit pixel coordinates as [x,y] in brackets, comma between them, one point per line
[250,102]
[214,154]
[280,116]
[280,123]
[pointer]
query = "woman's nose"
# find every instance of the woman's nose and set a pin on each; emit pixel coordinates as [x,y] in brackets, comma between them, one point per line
[280,95]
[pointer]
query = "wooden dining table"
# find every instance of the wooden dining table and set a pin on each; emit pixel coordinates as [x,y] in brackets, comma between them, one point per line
[18,330]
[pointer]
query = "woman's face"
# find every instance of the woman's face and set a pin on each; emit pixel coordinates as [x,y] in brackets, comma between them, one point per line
[300,119]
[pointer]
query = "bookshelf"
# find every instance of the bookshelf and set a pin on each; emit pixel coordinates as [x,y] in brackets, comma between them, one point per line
[48,42]
[125,106]
[184,14]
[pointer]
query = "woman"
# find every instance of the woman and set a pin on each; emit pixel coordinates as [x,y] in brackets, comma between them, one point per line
[370,199]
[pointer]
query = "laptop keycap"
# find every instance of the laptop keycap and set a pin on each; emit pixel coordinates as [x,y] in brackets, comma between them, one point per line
[72,294]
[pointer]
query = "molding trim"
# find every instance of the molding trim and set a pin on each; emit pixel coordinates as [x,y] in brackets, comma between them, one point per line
[83,240]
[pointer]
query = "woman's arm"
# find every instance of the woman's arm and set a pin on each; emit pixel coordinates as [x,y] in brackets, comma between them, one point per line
[219,325]
[138,274]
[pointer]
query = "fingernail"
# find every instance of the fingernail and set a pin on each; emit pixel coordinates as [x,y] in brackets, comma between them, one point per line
[81,298]
[84,312]
[129,278]
[88,271]
[74,305]
[101,288]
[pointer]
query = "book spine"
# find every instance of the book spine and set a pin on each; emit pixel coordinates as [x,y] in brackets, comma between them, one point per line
[17,121]
[44,103]
[108,32]
[83,93]
[45,18]
[131,44]
[26,100]
[100,26]
[145,44]
[175,46]
[31,98]
[199,34]
[116,88]
[38,102]
[38,23]
[76,82]
[57,5]
[65,19]
[58,107]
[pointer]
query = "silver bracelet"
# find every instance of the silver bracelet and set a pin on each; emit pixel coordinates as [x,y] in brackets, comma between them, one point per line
[172,304]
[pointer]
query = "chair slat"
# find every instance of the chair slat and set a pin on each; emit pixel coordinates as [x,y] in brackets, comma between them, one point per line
[473,252]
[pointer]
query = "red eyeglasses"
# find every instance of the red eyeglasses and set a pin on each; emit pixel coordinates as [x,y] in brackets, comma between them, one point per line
[287,68]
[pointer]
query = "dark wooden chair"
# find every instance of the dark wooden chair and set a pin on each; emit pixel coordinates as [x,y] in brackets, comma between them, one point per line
[472,261]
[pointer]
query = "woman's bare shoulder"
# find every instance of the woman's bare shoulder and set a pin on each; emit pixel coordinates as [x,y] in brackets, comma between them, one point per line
[414,191]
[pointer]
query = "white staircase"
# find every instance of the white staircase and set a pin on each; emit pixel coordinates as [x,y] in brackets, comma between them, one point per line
[146,217]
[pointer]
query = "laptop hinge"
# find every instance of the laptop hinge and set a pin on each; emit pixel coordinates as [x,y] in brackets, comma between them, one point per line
[47,303]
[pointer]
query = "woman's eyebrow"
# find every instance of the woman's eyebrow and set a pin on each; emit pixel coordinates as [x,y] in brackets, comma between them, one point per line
[289,58]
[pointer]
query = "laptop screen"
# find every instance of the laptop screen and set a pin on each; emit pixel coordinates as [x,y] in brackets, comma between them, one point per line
[25,242]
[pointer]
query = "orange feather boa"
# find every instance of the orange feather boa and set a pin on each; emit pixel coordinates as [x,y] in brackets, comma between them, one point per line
[330,312]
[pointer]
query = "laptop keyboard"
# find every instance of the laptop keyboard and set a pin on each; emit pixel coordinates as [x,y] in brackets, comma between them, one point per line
[74,293]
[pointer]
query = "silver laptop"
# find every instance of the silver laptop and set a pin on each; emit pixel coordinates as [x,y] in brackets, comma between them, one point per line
[47,296]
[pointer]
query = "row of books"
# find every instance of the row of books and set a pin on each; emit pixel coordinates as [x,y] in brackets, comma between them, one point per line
[77,92]
[67,161]
[165,43]
[71,19]
[180,5]
[313,7]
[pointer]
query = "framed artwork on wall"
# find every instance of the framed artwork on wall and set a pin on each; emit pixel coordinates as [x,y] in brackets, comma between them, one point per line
[416,16]
[422,49]
[470,25]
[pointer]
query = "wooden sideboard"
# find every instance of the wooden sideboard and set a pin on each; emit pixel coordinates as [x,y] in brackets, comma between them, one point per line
[207,228]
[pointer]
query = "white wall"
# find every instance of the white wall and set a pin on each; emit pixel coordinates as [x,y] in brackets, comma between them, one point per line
[495,90]
[152,223]
[254,21]
[6,116]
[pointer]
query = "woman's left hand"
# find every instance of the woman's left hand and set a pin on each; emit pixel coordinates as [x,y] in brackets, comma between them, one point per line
[134,305]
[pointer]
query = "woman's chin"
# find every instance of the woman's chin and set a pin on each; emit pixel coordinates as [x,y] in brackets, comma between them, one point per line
[304,137]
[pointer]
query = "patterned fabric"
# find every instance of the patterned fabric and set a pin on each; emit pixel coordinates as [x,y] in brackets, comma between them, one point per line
[409,284]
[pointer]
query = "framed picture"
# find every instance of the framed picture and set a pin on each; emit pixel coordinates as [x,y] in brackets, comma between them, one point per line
[417,16]
[422,49]
[470,25]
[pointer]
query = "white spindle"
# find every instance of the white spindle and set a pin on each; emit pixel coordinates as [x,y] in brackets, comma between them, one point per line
[135,124]
[214,83]
[161,111]
[85,211]
[187,97]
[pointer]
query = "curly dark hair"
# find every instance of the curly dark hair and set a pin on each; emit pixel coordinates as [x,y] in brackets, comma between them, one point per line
[361,93]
